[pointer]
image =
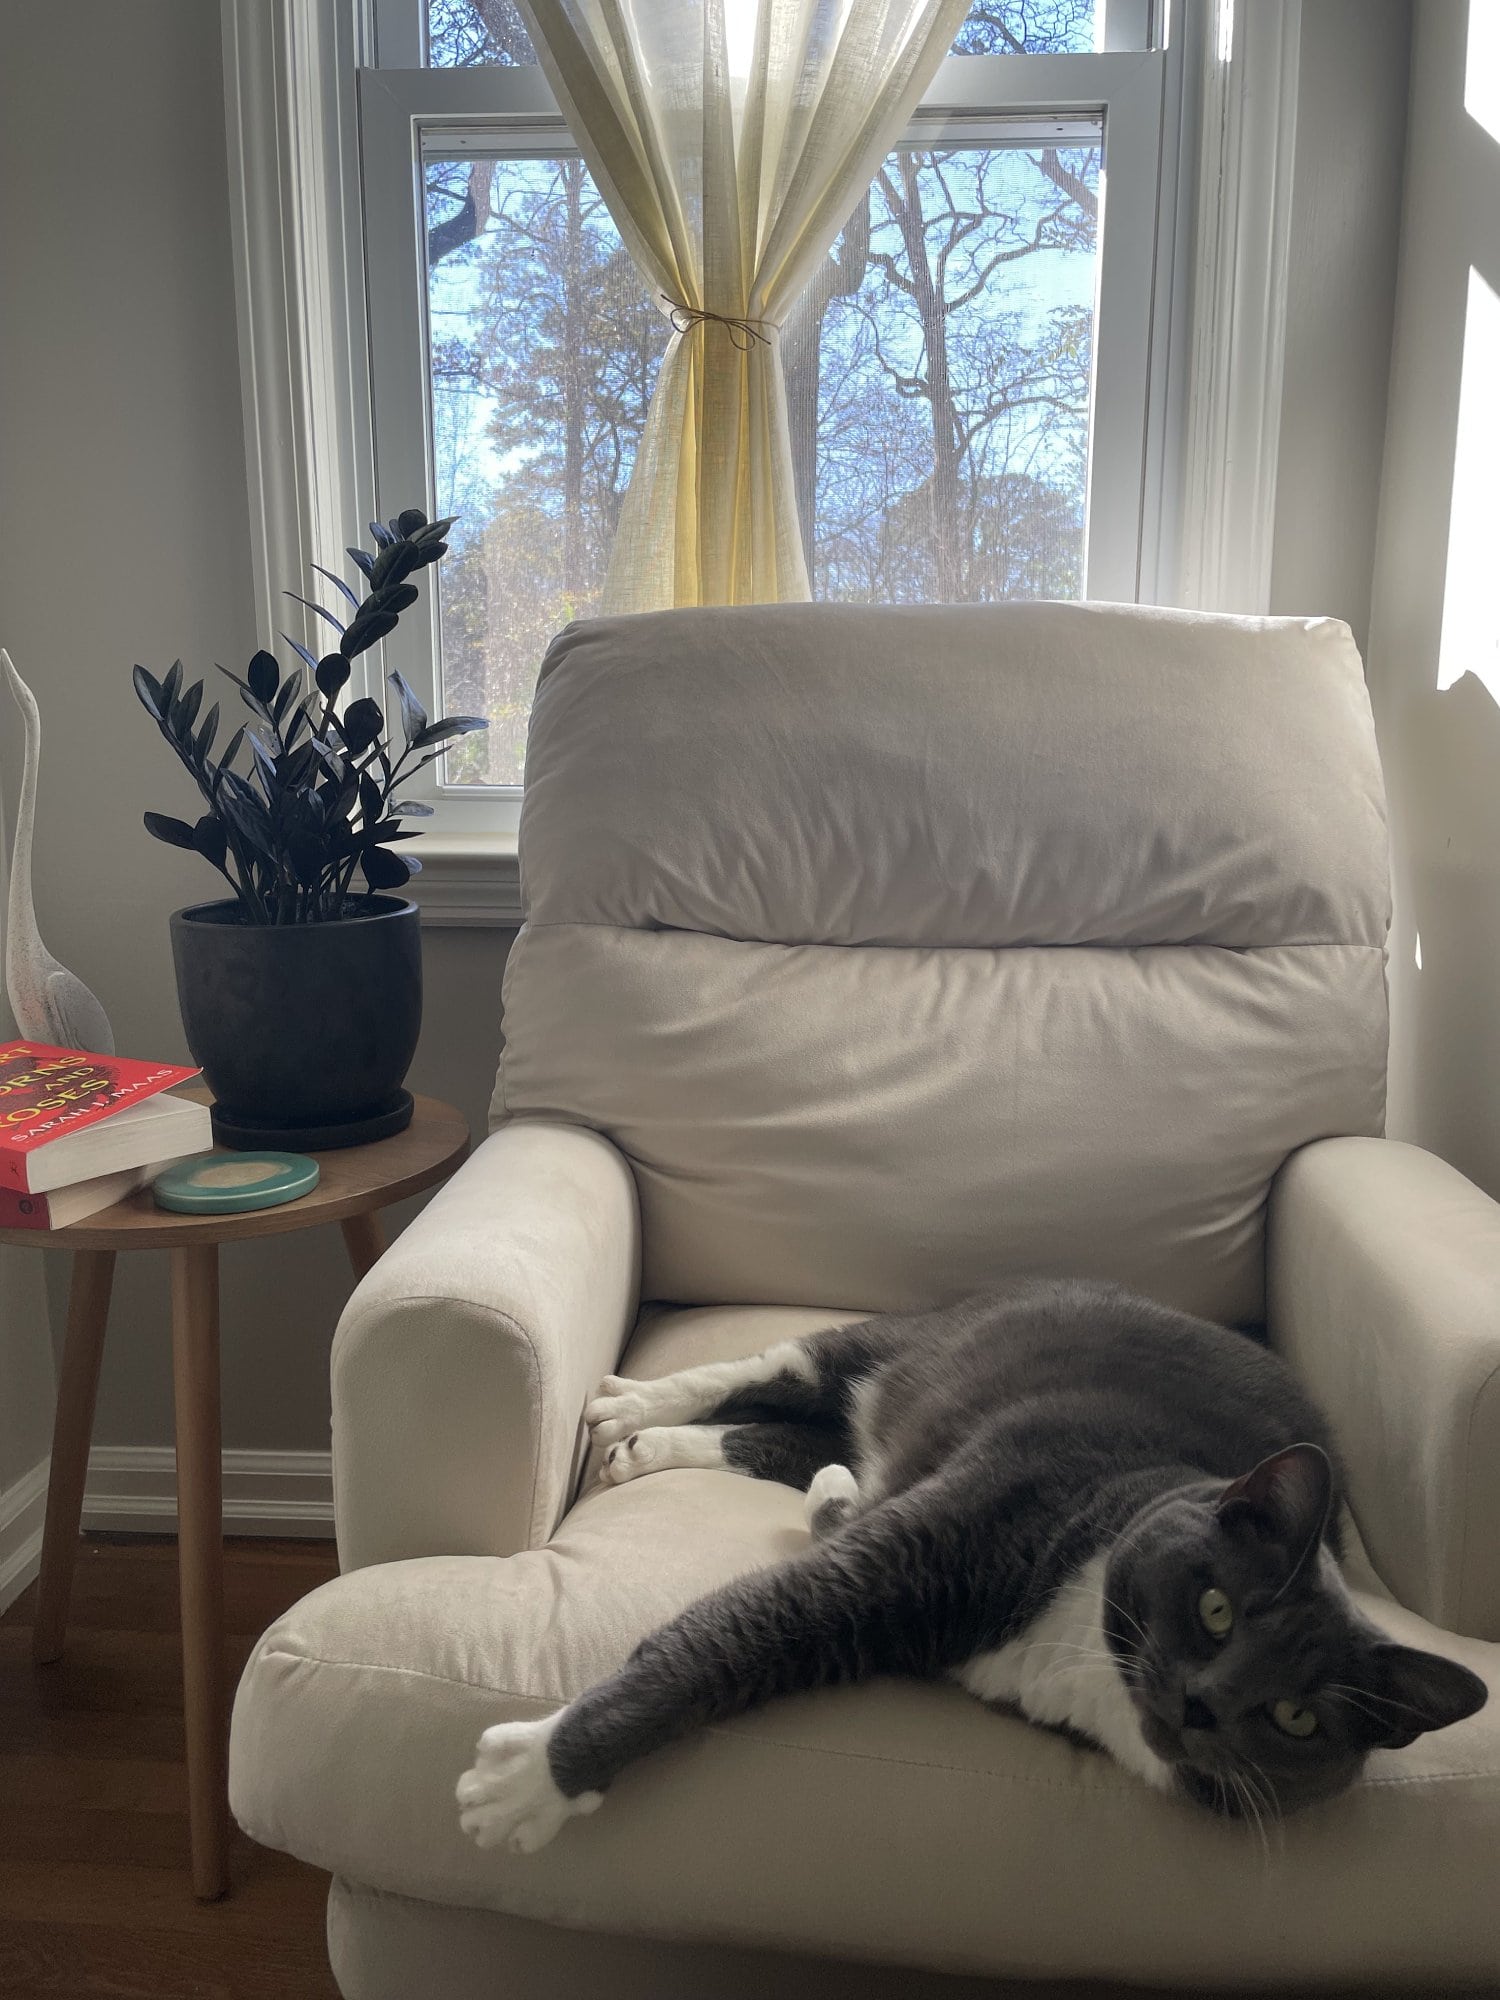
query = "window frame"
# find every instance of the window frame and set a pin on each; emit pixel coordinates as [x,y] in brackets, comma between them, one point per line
[1226,132]
[510,112]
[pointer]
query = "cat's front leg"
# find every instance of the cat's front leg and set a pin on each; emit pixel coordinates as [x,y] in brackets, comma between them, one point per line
[852,1607]
[622,1405]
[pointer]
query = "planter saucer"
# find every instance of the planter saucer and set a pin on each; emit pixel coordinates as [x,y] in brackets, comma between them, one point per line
[243,1135]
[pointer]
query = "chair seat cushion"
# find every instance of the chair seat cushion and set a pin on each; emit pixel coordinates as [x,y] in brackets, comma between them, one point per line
[893,1821]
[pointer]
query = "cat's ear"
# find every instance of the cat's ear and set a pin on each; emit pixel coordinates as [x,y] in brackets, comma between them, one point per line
[1285,1499]
[1404,1692]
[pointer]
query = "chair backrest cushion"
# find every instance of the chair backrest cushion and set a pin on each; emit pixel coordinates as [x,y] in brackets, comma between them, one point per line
[903,949]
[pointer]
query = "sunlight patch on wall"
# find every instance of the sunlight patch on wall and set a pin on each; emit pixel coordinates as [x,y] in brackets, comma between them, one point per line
[1471,608]
[1482,66]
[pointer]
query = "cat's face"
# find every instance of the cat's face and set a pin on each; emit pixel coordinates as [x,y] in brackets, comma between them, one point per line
[1251,1671]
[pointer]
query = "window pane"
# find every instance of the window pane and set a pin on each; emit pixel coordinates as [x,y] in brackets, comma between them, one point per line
[1051,27]
[938,380]
[938,375]
[544,351]
[461,33]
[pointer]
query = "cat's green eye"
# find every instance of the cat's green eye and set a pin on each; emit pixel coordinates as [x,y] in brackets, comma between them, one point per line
[1292,1719]
[1216,1613]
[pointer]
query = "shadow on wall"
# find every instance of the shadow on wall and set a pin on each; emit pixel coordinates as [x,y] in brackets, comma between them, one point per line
[1435,626]
[1453,881]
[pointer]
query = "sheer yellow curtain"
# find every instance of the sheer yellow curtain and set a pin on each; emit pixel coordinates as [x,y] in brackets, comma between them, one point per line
[731,140]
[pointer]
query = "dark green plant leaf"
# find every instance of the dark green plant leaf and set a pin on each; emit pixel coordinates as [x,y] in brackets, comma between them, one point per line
[148,689]
[363,724]
[263,676]
[394,563]
[211,839]
[332,674]
[371,802]
[394,598]
[383,833]
[290,689]
[336,623]
[338,584]
[232,750]
[365,631]
[171,683]
[413,715]
[446,730]
[361,560]
[175,832]
[185,710]
[308,659]
[265,760]
[409,520]
[380,534]
[207,734]
[384,870]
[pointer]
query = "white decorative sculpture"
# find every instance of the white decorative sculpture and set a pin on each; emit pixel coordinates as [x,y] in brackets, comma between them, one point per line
[50,1003]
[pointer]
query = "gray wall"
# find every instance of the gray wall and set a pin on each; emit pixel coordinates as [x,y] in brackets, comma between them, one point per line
[1346,210]
[122,538]
[1442,749]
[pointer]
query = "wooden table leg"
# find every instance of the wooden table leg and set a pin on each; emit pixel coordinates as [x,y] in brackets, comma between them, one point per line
[200,1551]
[365,1241]
[73,1425]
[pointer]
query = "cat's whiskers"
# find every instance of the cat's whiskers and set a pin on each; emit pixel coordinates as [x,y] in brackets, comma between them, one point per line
[1251,1811]
[1354,1696]
[1113,1604]
[1259,1798]
[1094,1658]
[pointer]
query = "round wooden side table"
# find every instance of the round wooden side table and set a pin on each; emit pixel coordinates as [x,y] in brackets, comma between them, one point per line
[354,1184]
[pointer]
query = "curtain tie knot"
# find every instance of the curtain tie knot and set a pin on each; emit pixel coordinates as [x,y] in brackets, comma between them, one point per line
[743,332]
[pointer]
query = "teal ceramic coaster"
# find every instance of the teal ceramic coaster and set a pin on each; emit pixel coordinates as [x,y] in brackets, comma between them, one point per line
[230,1183]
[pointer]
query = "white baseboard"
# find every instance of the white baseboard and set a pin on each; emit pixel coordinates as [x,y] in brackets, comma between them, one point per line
[133,1489]
[23,1508]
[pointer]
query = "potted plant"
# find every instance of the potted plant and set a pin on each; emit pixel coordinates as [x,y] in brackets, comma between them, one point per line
[301,993]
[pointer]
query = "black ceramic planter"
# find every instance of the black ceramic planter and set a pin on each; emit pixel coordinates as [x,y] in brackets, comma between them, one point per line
[304,1032]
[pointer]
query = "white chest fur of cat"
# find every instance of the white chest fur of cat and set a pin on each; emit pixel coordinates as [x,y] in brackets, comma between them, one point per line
[1060,1672]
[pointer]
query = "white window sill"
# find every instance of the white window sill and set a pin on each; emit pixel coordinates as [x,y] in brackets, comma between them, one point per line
[468,880]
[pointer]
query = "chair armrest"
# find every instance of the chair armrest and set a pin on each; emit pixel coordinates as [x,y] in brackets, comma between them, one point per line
[463,1361]
[1384,1295]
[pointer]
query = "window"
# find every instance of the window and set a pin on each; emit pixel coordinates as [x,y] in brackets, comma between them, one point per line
[969,375]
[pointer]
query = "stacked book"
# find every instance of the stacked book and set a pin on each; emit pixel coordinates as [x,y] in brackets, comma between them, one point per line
[79,1132]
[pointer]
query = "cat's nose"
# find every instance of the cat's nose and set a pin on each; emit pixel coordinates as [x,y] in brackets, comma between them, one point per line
[1196,1714]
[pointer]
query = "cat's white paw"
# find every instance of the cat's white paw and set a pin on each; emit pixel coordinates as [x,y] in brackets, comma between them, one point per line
[509,1795]
[642,1451]
[619,1408]
[830,1482]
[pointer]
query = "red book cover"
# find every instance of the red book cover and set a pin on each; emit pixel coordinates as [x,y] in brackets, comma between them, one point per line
[47,1092]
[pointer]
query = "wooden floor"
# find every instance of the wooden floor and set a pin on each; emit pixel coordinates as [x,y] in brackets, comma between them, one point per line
[94,1891]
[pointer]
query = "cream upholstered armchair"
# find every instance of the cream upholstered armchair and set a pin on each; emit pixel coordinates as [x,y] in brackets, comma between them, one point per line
[873,955]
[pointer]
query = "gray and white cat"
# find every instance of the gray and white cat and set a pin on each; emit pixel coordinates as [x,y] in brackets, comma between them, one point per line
[1114,1517]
